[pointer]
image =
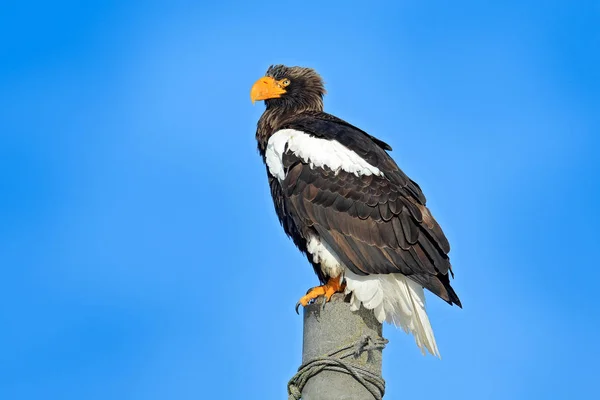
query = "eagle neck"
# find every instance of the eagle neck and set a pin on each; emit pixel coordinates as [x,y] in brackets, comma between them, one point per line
[273,119]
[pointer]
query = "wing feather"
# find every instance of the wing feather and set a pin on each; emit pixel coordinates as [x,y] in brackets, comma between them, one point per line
[375,223]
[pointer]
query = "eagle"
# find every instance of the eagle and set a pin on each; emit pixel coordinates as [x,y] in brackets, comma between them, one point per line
[361,222]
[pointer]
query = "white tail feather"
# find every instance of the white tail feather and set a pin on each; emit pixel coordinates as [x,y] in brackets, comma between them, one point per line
[393,298]
[397,300]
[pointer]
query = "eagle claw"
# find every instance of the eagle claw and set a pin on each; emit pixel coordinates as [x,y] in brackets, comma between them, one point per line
[333,285]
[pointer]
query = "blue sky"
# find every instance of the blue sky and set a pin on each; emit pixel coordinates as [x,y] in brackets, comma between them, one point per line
[140,254]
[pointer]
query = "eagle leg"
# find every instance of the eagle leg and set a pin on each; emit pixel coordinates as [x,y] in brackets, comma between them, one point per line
[333,285]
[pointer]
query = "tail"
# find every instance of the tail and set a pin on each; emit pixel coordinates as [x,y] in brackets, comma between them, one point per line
[397,300]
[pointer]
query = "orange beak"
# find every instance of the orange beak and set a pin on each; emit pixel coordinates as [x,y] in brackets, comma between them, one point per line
[266,88]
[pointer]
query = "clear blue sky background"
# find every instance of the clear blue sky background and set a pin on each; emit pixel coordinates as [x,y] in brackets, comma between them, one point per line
[140,255]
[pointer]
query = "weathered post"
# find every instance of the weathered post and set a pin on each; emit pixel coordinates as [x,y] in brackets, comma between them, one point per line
[341,357]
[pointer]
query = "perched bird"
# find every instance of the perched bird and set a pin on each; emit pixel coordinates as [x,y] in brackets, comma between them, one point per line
[361,222]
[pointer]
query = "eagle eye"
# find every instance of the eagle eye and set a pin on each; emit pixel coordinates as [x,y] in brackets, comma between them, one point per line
[285,82]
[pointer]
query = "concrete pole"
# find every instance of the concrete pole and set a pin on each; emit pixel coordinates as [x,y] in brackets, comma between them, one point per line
[327,330]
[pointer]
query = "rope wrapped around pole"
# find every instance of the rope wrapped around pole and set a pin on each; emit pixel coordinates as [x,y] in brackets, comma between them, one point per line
[335,361]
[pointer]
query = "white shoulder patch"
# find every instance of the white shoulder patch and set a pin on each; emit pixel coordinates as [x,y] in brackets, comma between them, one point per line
[316,152]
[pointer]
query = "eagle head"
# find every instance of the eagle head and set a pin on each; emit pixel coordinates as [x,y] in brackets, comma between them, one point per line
[291,88]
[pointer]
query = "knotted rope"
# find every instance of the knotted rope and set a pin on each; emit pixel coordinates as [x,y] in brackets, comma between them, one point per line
[336,361]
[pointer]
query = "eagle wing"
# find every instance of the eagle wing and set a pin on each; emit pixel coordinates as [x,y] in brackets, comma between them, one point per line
[375,223]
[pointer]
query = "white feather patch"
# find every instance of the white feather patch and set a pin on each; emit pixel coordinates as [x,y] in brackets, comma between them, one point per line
[316,152]
[397,300]
[323,255]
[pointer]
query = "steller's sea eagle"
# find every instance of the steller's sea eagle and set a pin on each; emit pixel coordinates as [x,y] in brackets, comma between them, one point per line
[361,222]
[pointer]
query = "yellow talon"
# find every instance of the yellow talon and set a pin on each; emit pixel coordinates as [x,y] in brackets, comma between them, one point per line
[332,286]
